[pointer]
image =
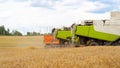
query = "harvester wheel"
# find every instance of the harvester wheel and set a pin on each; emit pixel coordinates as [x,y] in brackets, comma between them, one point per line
[92,43]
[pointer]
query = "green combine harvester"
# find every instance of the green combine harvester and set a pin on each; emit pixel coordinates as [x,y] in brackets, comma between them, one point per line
[92,32]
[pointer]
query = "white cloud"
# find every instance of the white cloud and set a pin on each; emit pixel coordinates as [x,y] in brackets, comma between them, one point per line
[23,17]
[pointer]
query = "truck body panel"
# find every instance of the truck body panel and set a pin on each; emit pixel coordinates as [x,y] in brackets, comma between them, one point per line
[89,31]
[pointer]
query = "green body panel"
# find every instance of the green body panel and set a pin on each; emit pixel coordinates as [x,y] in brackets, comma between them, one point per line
[63,34]
[88,31]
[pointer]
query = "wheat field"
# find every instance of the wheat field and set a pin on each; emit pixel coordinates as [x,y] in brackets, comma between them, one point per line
[21,41]
[26,52]
[83,57]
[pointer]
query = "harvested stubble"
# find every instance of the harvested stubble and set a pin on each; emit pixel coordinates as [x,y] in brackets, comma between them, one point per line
[83,57]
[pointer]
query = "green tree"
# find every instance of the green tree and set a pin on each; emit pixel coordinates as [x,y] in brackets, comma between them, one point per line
[16,33]
[8,32]
[33,33]
[3,31]
[28,33]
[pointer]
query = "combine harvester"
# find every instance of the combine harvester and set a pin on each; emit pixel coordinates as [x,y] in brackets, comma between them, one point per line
[91,32]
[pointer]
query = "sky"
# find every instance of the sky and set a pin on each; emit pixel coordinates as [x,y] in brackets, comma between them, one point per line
[43,15]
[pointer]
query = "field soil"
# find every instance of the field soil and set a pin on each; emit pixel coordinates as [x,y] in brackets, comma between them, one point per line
[82,57]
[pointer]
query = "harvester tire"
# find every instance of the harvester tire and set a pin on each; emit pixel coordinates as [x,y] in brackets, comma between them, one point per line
[92,43]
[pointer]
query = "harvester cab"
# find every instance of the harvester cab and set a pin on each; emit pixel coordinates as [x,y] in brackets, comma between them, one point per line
[87,22]
[54,33]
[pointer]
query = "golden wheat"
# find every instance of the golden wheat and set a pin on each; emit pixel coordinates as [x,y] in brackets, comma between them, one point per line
[21,41]
[83,57]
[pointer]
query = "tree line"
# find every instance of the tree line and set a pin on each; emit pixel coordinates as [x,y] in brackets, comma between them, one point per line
[6,32]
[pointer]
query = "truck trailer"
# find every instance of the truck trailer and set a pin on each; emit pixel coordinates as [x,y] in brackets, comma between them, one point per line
[99,32]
